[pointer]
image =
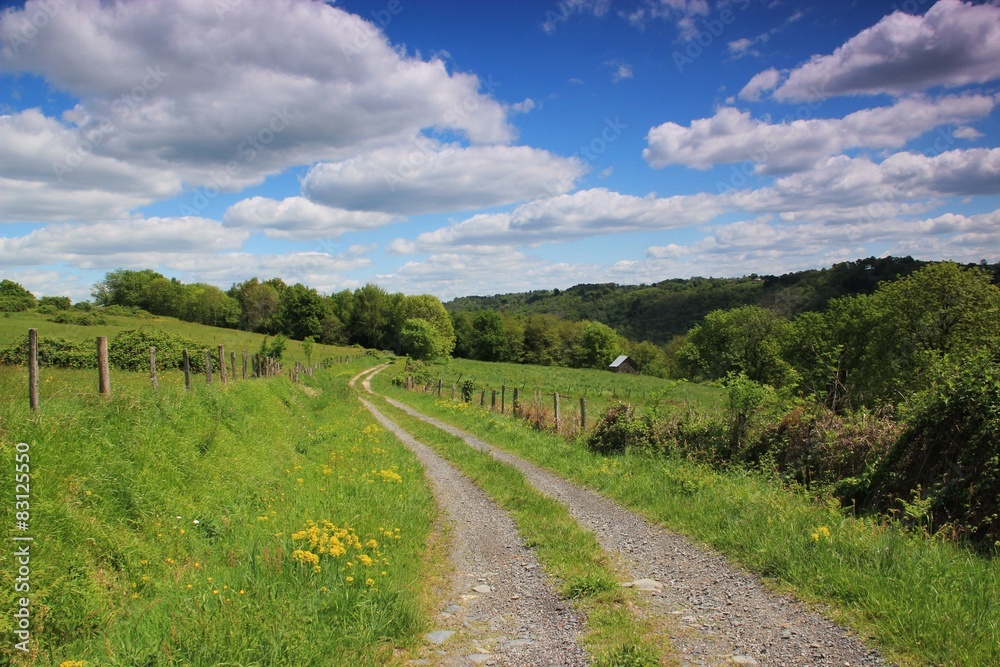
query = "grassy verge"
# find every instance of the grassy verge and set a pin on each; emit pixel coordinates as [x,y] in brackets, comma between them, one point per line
[617,636]
[925,601]
[260,524]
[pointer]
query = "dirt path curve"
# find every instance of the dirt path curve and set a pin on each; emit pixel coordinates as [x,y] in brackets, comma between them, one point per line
[501,609]
[723,615]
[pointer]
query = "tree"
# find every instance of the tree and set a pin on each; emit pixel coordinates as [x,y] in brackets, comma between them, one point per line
[598,346]
[259,303]
[308,343]
[489,340]
[123,287]
[207,304]
[649,357]
[302,312]
[14,298]
[370,317]
[420,340]
[541,340]
[429,308]
[747,339]
[464,334]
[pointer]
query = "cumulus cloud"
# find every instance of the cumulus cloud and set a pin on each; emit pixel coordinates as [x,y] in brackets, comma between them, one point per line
[426,176]
[246,89]
[585,213]
[299,218]
[955,43]
[761,82]
[50,173]
[136,242]
[733,136]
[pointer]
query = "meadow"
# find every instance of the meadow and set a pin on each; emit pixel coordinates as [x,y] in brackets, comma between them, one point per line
[260,523]
[923,600]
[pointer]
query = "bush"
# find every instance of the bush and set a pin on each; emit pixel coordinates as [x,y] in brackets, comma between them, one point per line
[129,350]
[51,352]
[79,319]
[620,428]
[14,298]
[949,452]
[55,302]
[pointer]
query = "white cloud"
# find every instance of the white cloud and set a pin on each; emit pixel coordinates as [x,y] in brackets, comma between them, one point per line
[955,43]
[621,70]
[733,136]
[760,83]
[299,218]
[252,87]
[585,213]
[140,242]
[684,13]
[564,9]
[425,177]
[49,173]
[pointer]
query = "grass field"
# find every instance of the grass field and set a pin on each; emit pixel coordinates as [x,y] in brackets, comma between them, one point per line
[15,325]
[263,523]
[926,601]
[598,387]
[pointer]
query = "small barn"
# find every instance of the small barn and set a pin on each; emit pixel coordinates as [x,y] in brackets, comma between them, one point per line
[624,364]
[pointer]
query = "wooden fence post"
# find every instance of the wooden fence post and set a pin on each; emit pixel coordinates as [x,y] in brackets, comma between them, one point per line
[33,369]
[244,364]
[555,408]
[208,367]
[440,384]
[493,400]
[152,367]
[222,363]
[453,392]
[583,414]
[232,365]
[482,398]
[103,372]
[515,406]
[503,398]
[187,369]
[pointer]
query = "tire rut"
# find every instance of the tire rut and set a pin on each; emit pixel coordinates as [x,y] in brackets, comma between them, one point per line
[501,609]
[720,613]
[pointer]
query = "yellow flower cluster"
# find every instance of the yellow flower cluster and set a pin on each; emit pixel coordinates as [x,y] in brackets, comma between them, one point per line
[73,663]
[328,539]
[822,533]
[389,476]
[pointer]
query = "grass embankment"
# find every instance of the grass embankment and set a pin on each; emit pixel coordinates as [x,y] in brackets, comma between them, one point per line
[617,635]
[14,326]
[925,601]
[184,528]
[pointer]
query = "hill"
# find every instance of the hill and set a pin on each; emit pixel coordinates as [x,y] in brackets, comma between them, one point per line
[660,311]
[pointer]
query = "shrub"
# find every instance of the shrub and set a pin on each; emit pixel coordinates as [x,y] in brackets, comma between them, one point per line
[79,319]
[51,352]
[950,451]
[14,298]
[129,350]
[620,428]
[55,302]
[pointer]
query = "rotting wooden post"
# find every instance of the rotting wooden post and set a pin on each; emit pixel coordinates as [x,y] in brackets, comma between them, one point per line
[232,364]
[555,408]
[208,367]
[33,369]
[440,384]
[493,400]
[222,363]
[244,364]
[187,369]
[482,398]
[503,398]
[583,414]
[152,367]
[103,372]
[515,406]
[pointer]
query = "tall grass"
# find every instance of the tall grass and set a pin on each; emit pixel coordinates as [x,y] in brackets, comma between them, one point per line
[163,524]
[925,601]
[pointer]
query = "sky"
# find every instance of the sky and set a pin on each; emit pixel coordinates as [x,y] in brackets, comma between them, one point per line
[458,148]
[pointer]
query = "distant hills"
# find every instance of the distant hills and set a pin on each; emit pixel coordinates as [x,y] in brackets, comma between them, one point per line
[660,311]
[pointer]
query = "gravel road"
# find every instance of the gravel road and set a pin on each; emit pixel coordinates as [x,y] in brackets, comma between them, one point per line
[500,609]
[719,613]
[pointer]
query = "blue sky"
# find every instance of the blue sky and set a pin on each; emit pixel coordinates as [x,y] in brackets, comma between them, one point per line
[458,148]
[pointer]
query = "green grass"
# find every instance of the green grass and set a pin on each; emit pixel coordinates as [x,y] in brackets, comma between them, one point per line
[14,326]
[598,387]
[616,635]
[926,601]
[163,523]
